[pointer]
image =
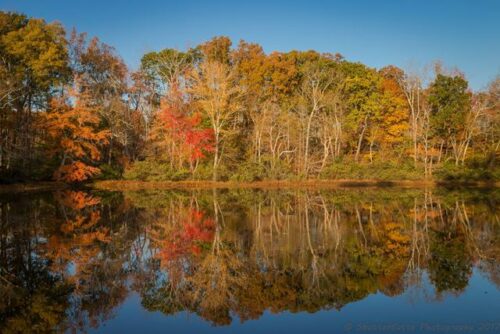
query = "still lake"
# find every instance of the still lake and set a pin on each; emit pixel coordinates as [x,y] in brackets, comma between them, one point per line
[356,260]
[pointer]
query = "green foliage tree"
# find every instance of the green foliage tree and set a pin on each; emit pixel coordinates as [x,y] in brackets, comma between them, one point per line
[449,103]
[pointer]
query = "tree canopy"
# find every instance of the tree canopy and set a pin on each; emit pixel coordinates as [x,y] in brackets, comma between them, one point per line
[227,111]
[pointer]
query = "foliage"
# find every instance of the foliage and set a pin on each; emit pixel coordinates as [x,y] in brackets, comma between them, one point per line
[76,139]
[236,112]
[152,170]
[109,172]
[378,170]
[179,134]
[476,168]
[33,62]
[448,100]
[248,172]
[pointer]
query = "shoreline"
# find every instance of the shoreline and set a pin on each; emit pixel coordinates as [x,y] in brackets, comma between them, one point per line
[128,185]
[28,187]
[120,185]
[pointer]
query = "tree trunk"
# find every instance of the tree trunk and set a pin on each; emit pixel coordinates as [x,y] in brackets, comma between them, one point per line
[360,140]
[216,156]
[306,150]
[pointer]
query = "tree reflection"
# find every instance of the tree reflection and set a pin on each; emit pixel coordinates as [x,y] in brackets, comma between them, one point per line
[68,260]
[33,297]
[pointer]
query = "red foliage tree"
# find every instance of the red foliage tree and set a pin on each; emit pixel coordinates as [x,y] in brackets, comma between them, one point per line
[179,131]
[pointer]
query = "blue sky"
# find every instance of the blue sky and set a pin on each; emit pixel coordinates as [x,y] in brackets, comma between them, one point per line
[405,33]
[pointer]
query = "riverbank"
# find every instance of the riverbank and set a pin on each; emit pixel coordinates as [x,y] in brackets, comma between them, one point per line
[31,187]
[117,185]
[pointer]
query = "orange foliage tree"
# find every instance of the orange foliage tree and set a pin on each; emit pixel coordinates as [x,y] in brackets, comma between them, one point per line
[74,134]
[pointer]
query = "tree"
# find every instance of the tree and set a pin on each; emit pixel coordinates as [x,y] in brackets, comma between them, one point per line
[178,132]
[249,61]
[395,112]
[217,50]
[362,94]
[318,78]
[161,77]
[218,98]
[411,86]
[165,68]
[483,122]
[449,103]
[101,75]
[33,63]
[76,140]
[275,115]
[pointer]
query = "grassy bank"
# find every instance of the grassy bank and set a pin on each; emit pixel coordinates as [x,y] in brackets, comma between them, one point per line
[344,183]
[31,187]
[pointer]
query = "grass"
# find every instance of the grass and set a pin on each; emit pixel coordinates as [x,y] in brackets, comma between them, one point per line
[31,187]
[345,183]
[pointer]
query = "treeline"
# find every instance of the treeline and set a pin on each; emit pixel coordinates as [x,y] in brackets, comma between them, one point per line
[71,110]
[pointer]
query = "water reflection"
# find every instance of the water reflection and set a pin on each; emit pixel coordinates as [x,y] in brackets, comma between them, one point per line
[69,259]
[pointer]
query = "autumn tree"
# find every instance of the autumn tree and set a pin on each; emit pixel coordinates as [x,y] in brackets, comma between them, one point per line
[489,123]
[102,76]
[178,135]
[275,126]
[217,97]
[249,61]
[394,123]
[411,86]
[319,80]
[217,50]
[33,63]
[73,130]
[362,94]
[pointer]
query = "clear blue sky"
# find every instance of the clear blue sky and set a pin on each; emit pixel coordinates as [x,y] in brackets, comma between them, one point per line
[461,33]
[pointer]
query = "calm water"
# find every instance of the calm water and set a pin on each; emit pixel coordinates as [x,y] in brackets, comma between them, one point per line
[360,260]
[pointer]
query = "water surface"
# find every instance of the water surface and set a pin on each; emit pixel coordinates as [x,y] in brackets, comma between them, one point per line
[360,260]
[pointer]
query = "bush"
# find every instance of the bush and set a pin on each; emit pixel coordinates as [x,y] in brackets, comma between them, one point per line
[475,169]
[379,170]
[203,172]
[282,171]
[248,172]
[149,170]
[109,172]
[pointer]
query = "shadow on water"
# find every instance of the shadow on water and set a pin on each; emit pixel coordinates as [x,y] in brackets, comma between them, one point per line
[69,259]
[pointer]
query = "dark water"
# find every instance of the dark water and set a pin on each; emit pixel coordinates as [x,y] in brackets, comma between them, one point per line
[361,260]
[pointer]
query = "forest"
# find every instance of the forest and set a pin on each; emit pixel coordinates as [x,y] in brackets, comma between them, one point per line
[72,111]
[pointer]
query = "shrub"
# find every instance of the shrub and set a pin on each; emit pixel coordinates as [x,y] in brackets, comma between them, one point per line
[475,169]
[379,170]
[149,170]
[109,172]
[248,171]
[203,172]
